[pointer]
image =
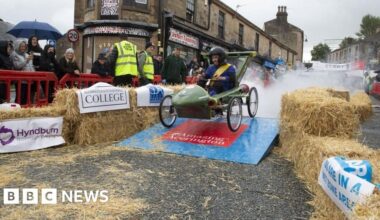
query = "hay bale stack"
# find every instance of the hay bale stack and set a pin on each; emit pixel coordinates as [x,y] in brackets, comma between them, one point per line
[307,152]
[369,210]
[314,111]
[308,117]
[115,125]
[362,104]
[343,94]
[67,99]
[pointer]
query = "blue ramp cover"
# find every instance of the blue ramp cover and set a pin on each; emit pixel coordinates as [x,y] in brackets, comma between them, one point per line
[249,146]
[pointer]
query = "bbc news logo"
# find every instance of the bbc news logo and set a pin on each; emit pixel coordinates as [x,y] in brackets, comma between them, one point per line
[32,196]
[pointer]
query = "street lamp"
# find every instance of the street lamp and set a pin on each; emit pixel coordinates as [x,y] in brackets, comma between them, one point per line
[306,40]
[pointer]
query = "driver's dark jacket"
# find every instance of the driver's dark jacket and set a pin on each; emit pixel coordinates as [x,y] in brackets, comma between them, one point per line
[224,85]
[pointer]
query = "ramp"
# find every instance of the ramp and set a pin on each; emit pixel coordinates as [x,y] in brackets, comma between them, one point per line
[210,139]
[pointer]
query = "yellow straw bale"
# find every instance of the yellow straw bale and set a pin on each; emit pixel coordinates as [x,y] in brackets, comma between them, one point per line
[343,94]
[115,125]
[369,210]
[307,152]
[362,104]
[314,111]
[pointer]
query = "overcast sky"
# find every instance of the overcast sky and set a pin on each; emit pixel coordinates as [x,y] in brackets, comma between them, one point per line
[321,20]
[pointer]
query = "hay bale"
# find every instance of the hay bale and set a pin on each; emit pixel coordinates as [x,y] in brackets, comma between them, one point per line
[369,210]
[307,152]
[68,99]
[362,104]
[342,94]
[314,111]
[115,125]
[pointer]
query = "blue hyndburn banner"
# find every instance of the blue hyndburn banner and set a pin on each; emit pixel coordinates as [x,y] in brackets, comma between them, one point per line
[345,182]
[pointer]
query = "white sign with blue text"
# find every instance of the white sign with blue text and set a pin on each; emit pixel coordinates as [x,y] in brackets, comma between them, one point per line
[346,187]
[102,97]
[151,95]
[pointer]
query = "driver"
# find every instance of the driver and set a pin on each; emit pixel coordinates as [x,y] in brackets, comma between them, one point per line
[222,74]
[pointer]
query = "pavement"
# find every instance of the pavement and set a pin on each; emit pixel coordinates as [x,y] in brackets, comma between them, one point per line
[371,128]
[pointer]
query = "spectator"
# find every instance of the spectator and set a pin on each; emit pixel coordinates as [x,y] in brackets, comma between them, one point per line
[68,63]
[5,63]
[5,50]
[174,70]
[35,49]
[124,63]
[196,70]
[157,62]
[22,61]
[191,64]
[101,66]
[146,67]
[50,64]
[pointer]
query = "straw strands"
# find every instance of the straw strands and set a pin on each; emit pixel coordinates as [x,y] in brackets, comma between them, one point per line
[316,126]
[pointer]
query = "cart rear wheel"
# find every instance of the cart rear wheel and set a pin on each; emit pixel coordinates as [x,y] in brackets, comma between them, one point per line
[167,112]
[234,114]
[252,102]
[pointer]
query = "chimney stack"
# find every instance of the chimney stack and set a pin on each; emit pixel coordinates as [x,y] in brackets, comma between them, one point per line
[282,15]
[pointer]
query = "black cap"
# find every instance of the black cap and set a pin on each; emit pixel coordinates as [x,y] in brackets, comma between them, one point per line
[102,56]
[149,44]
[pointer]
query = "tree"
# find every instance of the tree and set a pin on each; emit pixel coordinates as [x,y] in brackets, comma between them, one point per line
[347,41]
[320,52]
[368,26]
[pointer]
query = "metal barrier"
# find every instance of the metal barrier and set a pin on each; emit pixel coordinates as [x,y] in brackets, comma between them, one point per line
[83,81]
[191,79]
[32,88]
[375,89]
[157,79]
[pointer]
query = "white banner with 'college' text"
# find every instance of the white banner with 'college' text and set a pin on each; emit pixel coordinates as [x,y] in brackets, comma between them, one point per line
[102,97]
[30,134]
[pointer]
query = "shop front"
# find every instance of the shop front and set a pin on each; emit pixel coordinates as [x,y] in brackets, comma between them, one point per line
[188,44]
[101,37]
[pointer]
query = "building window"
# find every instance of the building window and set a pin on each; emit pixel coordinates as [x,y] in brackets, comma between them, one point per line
[221,25]
[257,40]
[190,10]
[90,3]
[241,34]
[141,4]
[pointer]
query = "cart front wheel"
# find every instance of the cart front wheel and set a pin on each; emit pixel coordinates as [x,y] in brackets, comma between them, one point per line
[167,112]
[252,102]
[234,114]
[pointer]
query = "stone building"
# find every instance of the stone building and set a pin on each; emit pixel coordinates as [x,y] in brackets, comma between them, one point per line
[365,51]
[285,32]
[194,25]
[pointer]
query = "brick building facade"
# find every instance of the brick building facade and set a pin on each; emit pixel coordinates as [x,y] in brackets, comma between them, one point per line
[194,25]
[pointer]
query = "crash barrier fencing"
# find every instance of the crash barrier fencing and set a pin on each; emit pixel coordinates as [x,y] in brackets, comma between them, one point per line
[375,88]
[32,88]
[82,81]
[156,80]
[35,88]
[191,79]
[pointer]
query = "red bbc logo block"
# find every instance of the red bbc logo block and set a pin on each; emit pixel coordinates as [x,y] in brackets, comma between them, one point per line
[204,132]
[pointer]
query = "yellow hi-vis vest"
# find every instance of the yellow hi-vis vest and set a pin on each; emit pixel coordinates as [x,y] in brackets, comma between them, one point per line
[148,66]
[126,62]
